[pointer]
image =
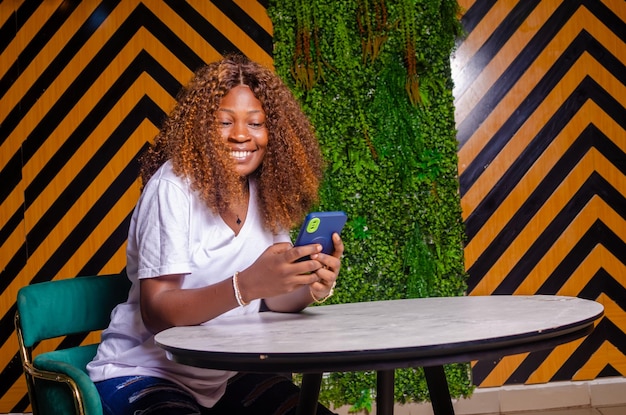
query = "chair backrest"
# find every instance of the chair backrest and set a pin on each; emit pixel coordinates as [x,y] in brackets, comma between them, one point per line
[62,307]
[57,381]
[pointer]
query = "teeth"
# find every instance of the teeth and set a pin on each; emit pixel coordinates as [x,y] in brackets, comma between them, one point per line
[240,154]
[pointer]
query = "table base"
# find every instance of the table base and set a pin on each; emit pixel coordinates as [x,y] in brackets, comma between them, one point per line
[385,380]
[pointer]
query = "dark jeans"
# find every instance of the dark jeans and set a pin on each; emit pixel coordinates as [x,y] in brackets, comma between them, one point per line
[246,394]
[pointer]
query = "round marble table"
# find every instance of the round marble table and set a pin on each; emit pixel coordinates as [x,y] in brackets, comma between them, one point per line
[383,336]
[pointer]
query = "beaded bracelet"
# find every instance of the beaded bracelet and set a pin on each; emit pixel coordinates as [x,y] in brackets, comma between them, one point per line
[238,296]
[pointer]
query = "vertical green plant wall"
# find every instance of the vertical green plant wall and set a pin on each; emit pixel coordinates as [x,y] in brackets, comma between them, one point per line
[374,77]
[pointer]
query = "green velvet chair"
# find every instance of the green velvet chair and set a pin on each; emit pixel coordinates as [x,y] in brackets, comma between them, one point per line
[57,381]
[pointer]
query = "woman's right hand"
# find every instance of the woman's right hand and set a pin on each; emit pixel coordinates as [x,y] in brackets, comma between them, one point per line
[277,271]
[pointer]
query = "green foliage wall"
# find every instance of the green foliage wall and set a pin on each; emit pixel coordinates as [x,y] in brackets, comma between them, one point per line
[374,77]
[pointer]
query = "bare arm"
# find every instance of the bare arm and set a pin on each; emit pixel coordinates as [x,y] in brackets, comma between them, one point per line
[275,273]
[165,304]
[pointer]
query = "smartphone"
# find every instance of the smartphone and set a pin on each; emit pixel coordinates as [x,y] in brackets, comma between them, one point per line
[319,227]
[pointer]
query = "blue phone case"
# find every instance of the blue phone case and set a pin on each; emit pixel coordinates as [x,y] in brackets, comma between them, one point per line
[318,228]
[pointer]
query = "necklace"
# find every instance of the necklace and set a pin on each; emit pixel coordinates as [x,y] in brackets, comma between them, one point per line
[245,195]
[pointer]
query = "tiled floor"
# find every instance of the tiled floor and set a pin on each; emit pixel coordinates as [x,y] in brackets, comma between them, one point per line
[606,410]
[605,396]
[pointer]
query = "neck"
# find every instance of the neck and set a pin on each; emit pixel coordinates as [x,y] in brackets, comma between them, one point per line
[240,205]
[245,187]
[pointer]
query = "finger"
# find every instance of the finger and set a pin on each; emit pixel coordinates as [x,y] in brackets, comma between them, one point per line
[338,245]
[298,252]
[306,279]
[304,266]
[327,277]
[329,262]
[322,286]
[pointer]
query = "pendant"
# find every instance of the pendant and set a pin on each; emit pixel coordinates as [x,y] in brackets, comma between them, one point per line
[238,220]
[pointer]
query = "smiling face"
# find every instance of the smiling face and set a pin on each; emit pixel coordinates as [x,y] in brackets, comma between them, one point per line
[242,124]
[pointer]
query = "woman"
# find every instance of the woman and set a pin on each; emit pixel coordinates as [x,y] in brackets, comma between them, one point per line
[235,166]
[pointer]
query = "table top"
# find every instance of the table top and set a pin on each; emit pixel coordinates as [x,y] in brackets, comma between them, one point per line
[383,334]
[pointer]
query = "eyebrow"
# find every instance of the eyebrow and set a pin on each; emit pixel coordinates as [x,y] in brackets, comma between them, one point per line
[232,111]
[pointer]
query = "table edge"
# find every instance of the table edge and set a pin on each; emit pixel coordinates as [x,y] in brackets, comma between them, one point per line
[371,359]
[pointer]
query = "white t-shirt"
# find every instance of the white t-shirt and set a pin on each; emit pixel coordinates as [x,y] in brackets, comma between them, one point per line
[173,232]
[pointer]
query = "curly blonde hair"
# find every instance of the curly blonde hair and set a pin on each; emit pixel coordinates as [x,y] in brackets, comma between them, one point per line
[289,177]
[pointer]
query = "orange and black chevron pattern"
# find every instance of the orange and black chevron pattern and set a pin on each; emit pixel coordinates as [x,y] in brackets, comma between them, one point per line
[540,94]
[540,90]
[83,87]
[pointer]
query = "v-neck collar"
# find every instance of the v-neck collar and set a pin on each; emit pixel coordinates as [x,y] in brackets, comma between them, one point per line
[250,212]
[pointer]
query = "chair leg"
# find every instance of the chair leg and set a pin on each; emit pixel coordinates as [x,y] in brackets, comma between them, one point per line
[309,393]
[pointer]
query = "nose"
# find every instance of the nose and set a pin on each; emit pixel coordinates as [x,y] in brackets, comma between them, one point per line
[239,132]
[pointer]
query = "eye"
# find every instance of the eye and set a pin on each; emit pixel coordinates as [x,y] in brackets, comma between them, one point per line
[256,123]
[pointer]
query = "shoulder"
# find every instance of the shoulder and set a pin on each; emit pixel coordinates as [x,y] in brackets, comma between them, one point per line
[166,187]
[166,178]
[166,173]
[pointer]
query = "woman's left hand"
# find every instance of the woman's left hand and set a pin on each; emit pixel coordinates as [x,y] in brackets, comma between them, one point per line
[328,273]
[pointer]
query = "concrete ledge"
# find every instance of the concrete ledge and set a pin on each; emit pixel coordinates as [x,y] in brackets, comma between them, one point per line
[520,398]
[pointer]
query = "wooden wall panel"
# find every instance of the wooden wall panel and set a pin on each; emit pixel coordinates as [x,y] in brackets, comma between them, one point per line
[540,92]
[83,87]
